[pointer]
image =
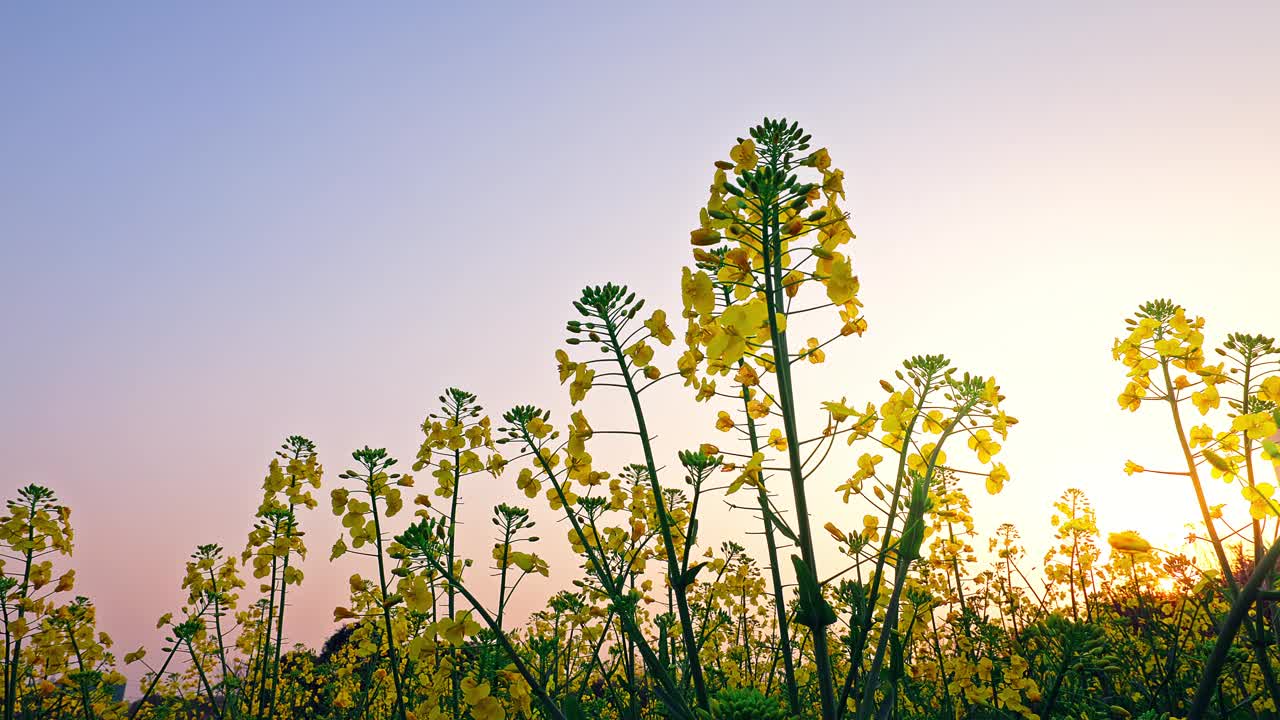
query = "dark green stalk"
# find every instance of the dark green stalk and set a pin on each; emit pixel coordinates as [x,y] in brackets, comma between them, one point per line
[600,570]
[502,580]
[552,709]
[222,650]
[664,523]
[265,654]
[154,681]
[1226,636]
[771,252]
[204,679]
[84,688]
[863,628]
[386,608]
[779,600]
[12,668]
[1192,471]
[290,529]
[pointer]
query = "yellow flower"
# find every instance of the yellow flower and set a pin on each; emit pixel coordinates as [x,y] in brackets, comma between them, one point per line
[566,366]
[724,423]
[458,628]
[744,155]
[529,484]
[776,439]
[997,478]
[1255,426]
[839,411]
[833,184]
[842,285]
[582,380]
[1131,467]
[416,594]
[1270,389]
[704,236]
[751,474]
[1128,542]
[897,411]
[488,708]
[1131,398]
[747,376]
[1260,503]
[1206,399]
[658,328]
[473,692]
[981,442]
[814,352]
[759,409]
[697,292]
[819,159]
[870,526]
[836,532]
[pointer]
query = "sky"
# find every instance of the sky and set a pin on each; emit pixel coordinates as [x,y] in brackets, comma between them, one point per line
[223,225]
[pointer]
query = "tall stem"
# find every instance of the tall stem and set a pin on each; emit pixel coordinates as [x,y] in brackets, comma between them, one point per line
[1243,601]
[611,587]
[779,600]
[11,670]
[664,523]
[386,609]
[1193,472]
[771,246]
[290,528]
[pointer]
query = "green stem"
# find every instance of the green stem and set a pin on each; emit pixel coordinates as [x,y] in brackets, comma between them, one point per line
[673,568]
[386,609]
[154,681]
[12,668]
[204,679]
[625,617]
[779,600]
[284,588]
[84,688]
[1205,514]
[771,247]
[1226,636]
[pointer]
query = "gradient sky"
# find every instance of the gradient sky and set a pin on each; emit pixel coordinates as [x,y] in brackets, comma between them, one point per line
[221,225]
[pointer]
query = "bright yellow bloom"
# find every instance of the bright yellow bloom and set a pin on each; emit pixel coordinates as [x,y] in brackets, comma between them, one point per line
[777,440]
[457,628]
[697,292]
[842,284]
[1206,399]
[1128,542]
[744,155]
[981,442]
[1260,503]
[814,352]
[1255,426]
[658,328]
[997,478]
[1131,398]
[1270,390]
